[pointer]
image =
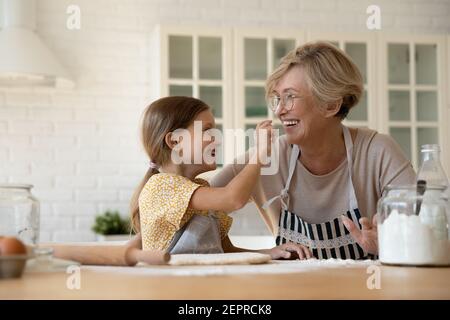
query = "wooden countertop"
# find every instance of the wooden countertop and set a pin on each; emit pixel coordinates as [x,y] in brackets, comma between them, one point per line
[327,283]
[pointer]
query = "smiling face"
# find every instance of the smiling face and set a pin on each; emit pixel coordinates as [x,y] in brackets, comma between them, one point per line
[328,83]
[305,119]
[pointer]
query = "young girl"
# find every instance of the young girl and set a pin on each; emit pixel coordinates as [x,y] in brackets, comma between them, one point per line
[172,209]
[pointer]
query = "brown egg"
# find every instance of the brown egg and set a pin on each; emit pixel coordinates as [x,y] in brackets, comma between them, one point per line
[11,246]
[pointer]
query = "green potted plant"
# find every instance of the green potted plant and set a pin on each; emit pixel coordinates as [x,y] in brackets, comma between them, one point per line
[110,226]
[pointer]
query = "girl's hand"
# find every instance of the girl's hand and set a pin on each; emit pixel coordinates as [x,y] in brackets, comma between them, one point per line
[290,250]
[367,237]
[263,140]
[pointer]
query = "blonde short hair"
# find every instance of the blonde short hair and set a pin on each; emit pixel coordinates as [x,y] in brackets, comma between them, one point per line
[331,75]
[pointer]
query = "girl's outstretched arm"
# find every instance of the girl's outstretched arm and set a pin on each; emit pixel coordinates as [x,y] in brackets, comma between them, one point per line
[236,193]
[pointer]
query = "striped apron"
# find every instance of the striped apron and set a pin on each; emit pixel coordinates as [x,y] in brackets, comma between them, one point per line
[326,240]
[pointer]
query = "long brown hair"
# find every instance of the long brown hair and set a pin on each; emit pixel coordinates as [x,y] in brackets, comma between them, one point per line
[159,118]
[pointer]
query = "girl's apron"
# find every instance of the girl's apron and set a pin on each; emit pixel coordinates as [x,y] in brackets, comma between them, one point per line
[199,235]
[325,240]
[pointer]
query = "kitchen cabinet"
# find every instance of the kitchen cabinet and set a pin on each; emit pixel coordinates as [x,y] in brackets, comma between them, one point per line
[195,62]
[405,77]
[360,47]
[257,53]
[412,92]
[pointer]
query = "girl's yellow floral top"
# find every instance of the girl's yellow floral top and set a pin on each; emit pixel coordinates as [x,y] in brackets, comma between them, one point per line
[163,209]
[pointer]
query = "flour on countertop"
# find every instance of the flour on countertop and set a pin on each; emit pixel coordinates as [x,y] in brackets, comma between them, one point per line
[273,267]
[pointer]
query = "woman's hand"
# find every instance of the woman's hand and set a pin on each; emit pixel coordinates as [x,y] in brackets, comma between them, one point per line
[290,250]
[367,237]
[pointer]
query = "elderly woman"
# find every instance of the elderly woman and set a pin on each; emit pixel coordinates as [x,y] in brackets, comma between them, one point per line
[330,177]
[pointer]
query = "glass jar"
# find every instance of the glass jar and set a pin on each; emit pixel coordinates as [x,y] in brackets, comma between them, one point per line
[19,213]
[413,229]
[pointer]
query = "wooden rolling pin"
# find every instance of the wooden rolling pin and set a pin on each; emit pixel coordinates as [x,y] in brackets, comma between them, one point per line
[119,255]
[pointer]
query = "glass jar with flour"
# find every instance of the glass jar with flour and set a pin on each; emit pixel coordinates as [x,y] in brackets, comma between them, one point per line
[413,226]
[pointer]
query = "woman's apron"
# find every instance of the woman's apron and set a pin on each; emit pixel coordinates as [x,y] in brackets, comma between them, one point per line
[199,235]
[329,239]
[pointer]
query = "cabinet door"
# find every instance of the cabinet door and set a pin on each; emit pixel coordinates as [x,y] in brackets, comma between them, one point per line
[360,48]
[258,53]
[195,69]
[195,63]
[412,88]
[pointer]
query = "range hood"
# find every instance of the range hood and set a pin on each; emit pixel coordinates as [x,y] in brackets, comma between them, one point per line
[24,59]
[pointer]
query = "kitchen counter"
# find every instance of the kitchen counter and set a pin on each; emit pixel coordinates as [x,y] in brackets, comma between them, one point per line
[326,283]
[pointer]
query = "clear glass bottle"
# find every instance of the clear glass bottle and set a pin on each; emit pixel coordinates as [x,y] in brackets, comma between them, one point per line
[19,213]
[431,169]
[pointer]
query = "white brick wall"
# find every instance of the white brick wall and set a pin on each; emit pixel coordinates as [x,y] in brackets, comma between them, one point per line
[80,147]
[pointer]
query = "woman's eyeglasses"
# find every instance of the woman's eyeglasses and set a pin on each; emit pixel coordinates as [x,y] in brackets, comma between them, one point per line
[286,100]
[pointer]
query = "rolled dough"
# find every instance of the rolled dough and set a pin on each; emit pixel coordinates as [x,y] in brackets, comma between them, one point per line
[219,258]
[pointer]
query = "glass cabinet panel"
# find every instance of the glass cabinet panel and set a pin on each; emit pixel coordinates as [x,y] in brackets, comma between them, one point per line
[195,69]
[213,97]
[427,136]
[280,48]
[255,103]
[398,63]
[255,59]
[359,112]
[210,58]
[403,138]
[176,90]
[427,109]
[399,105]
[180,57]
[358,53]
[413,99]
[425,64]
